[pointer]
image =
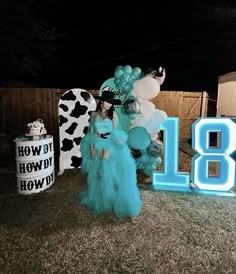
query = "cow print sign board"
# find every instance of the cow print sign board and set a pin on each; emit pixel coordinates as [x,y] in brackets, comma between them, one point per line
[75,107]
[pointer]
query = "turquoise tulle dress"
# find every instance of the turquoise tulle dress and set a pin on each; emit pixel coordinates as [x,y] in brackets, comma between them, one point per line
[111,174]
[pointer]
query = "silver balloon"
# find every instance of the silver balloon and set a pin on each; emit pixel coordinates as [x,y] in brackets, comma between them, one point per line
[131,106]
[155,148]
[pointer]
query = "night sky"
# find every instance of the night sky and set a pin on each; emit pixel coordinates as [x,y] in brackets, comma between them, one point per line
[53,44]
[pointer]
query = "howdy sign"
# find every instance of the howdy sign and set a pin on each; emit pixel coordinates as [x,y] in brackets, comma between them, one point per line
[30,150]
[222,155]
[35,184]
[34,165]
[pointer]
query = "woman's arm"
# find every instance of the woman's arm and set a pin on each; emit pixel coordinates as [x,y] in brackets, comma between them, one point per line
[92,120]
[115,121]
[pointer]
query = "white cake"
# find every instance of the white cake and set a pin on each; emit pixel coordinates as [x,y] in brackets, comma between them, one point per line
[36,128]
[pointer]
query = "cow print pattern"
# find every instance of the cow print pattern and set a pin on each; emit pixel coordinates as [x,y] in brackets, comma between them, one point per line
[78,110]
[62,120]
[63,107]
[75,107]
[71,128]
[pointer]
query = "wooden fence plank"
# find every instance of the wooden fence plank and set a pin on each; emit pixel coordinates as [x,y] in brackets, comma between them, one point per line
[23,105]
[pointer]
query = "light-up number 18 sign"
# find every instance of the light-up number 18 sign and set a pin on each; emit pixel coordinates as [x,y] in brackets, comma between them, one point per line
[201,181]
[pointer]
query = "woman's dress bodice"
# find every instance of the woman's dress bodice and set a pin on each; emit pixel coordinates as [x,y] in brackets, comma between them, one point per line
[102,126]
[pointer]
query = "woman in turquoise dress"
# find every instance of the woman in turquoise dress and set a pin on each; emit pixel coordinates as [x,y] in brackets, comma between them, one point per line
[110,167]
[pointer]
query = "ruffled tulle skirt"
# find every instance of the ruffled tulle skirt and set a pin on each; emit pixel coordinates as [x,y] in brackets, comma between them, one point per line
[111,180]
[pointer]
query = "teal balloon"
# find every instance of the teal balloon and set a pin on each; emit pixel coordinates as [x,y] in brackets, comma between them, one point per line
[117,81]
[139,138]
[147,162]
[126,77]
[123,81]
[132,77]
[119,67]
[136,71]
[127,69]
[128,87]
[118,72]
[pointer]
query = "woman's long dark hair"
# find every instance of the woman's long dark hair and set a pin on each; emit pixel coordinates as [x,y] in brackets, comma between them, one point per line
[109,112]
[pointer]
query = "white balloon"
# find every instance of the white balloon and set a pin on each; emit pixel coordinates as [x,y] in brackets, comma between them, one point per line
[132,124]
[132,92]
[141,100]
[140,121]
[146,88]
[146,108]
[157,117]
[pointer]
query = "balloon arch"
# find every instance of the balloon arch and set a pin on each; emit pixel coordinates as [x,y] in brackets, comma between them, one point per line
[137,114]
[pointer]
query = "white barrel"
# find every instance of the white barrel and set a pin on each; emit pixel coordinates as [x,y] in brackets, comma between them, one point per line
[34,164]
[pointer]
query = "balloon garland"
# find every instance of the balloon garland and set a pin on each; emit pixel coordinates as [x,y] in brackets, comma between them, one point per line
[144,119]
[126,76]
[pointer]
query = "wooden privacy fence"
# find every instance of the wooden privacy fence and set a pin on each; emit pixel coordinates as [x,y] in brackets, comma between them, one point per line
[186,105]
[22,105]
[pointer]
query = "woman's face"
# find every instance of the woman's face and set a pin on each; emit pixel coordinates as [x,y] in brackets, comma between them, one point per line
[106,105]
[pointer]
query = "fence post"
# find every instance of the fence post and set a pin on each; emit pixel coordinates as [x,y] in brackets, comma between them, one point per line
[203,105]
